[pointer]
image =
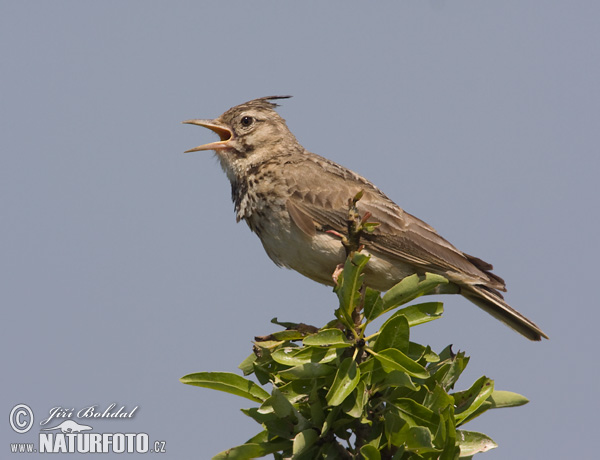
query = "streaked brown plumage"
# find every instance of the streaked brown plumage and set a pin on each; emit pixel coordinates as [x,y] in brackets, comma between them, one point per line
[290,198]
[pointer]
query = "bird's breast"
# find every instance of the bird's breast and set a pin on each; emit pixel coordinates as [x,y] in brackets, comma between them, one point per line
[313,256]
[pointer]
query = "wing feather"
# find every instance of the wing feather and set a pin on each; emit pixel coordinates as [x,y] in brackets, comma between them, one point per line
[400,235]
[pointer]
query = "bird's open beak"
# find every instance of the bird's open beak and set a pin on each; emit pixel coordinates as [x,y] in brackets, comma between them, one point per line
[223,131]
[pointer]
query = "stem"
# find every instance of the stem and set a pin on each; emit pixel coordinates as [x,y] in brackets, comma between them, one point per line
[342,451]
[361,431]
[355,227]
[372,336]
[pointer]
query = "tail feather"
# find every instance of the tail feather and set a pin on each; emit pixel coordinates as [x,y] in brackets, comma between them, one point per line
[492,302]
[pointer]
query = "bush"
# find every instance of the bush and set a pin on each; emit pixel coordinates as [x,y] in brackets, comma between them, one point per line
[338,393]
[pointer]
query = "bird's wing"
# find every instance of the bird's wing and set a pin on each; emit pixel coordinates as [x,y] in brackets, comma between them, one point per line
[321,197]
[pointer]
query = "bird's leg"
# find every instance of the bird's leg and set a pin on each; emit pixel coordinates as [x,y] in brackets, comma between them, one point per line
[340,267]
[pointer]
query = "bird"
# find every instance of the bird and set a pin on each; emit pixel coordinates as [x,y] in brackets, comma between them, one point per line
[296,202]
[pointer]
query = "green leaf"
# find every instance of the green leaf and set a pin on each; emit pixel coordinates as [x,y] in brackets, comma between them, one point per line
[396,379]
[506,399]
[418,352]
[259,417]
[296,389]
[243,452]
[304,440]
[418,439]
[263,373]
[346,379]
[410,288]
[438,399]
[354,406]
[370,452]
[472,443]
[445,437]
[399,455]
[307,371]
[394,427]
[497,400]
[421,313]
[468,401]
[370,227]
[394,360]
[288,335]
[278,404]
[263,436]
[328,451]
[285,324]
[394,333]
[348,288]
[330,420]
[448,370]
[366,370]
[316,407]
[416,414]
[247,365]
[328,338]
[294,356]
[227,382]
[373,304]
[252,450]
[268,344]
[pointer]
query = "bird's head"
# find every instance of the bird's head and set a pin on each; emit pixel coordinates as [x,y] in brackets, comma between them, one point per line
[249,133]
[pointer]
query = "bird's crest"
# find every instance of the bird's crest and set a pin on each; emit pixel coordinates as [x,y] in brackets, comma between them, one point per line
[265,102]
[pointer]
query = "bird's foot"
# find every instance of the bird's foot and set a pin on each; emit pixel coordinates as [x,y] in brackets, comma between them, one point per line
[337,272]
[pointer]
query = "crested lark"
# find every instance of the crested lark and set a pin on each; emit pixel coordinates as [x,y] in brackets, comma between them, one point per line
[291,198]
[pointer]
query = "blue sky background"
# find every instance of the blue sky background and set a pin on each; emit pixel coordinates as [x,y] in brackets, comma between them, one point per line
[122,268]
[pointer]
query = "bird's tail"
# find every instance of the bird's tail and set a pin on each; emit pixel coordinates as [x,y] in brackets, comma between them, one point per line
[492,302]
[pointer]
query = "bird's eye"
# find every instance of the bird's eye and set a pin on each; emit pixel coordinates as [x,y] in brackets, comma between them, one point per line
[247,121]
